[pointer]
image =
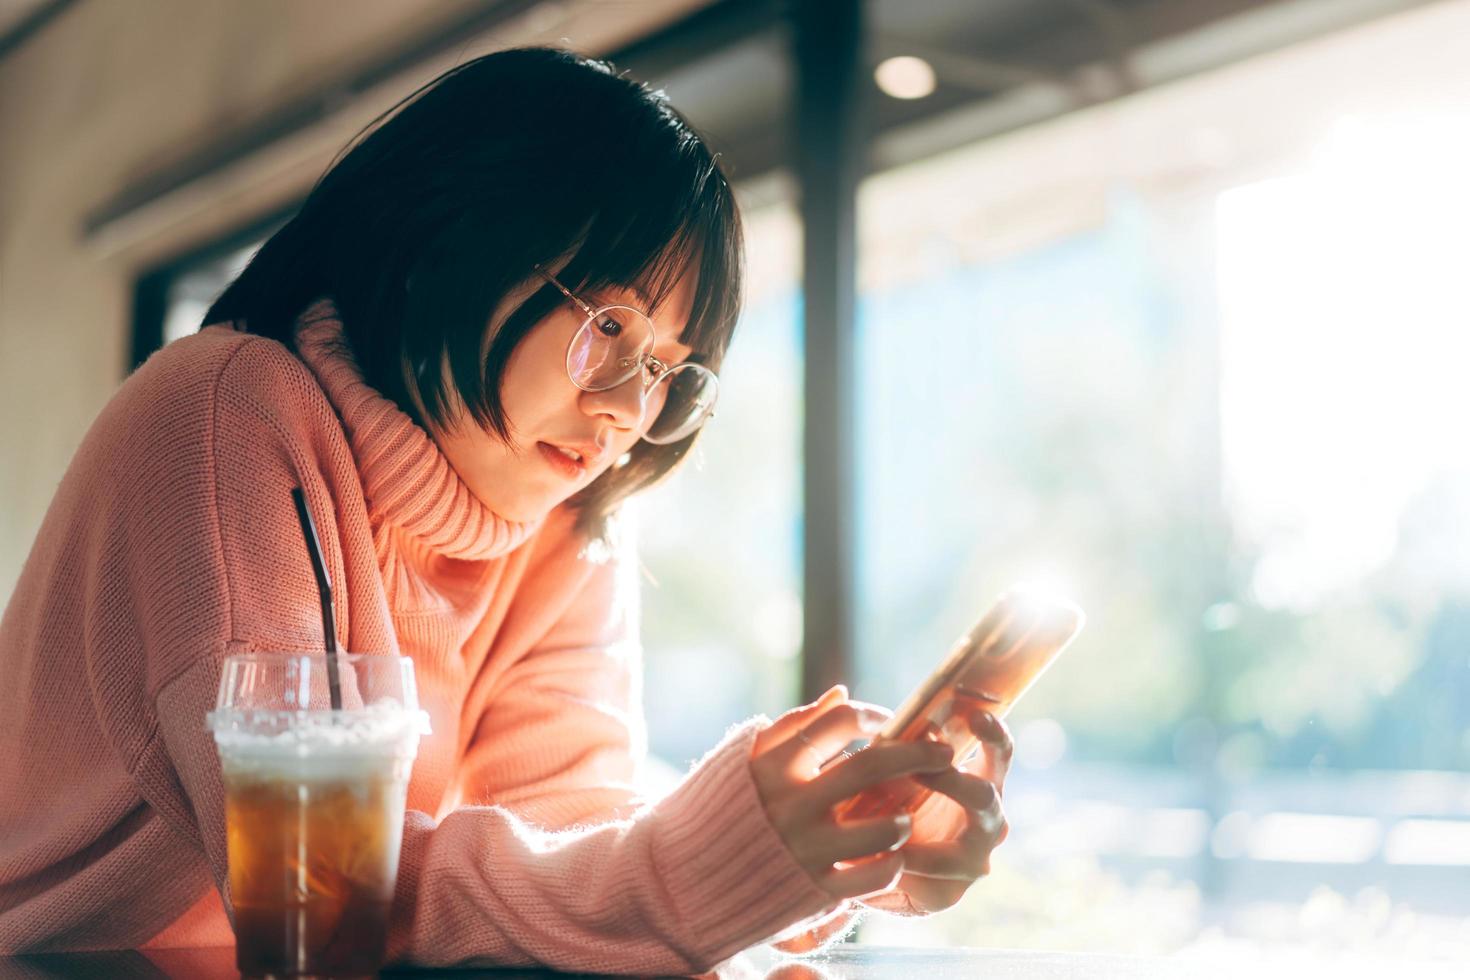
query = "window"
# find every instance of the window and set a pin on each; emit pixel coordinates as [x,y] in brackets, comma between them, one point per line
[1200,366]
[721,540]
[191,293]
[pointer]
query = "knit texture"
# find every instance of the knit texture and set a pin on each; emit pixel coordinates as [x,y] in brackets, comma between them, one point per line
[172,541]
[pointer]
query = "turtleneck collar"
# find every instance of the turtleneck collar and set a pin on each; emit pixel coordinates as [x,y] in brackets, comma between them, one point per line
[406,480]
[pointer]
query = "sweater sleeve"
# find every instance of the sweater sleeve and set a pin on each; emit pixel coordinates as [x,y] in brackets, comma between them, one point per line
[678,887]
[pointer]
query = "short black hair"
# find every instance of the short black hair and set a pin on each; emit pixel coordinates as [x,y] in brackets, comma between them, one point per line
[451,199]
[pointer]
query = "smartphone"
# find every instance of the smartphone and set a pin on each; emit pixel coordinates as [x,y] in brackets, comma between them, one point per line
[992,665]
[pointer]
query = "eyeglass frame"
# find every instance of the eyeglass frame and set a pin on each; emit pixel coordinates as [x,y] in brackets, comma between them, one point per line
[657,367]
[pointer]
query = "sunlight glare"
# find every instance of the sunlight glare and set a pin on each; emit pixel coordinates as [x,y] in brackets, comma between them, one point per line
[1343,347]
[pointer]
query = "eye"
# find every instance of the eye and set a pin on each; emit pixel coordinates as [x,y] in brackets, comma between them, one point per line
[608,327]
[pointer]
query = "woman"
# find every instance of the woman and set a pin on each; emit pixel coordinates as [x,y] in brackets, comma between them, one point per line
[494,319]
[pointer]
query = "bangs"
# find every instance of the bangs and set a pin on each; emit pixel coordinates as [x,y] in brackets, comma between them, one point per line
[664,226]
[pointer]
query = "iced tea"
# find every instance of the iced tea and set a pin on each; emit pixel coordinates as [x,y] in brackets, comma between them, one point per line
[314,807]
[312,868]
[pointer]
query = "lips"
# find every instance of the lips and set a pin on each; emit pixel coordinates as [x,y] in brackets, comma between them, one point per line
[570,460]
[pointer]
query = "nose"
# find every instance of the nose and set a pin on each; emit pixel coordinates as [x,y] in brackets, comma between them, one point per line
[623,405]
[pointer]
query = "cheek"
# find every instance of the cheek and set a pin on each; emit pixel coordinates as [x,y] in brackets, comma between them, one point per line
[527,404]
[535,385]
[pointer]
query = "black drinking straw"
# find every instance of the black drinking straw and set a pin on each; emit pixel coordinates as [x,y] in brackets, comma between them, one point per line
[324,587]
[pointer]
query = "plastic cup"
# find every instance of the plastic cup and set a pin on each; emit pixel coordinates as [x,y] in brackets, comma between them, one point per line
[314,804]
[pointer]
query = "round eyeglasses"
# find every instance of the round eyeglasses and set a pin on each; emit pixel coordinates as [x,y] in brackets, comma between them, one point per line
[614,345]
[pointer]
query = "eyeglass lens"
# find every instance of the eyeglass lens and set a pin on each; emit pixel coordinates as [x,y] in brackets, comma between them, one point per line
[614,345]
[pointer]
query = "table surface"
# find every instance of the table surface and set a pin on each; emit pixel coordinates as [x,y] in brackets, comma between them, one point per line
[844,962]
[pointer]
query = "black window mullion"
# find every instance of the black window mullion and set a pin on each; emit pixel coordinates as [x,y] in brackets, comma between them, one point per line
[829,144]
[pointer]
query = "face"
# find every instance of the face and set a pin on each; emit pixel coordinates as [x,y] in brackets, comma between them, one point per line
[525,479]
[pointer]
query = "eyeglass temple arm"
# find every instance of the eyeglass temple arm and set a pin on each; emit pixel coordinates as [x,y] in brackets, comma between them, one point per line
[652,331]
[566,292]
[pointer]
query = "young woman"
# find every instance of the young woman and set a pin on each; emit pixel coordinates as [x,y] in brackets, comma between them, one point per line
[495,318]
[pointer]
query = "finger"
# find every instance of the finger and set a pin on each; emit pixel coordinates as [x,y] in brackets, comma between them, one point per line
[978,796]
[824,736]
[994,732]
[984,829]
[996,746]
[791,720]
[923,896]
[964,859]
[785,726]
[861,838]
[869,877]
[939,817]
[875,764]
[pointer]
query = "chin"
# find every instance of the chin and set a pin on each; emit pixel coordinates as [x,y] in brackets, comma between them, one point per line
[525,512]
[526,509]
[535,502]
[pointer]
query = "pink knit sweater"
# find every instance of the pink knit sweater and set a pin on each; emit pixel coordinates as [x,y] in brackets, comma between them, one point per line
[172,541]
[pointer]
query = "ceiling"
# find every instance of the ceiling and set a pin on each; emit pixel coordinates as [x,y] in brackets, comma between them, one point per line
[1000,64]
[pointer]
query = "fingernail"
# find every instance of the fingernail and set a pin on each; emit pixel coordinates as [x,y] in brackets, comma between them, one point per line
[870,722]
[905,824]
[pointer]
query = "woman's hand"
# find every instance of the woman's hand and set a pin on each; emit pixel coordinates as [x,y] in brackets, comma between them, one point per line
[956,828]
[905,865]
[799,797]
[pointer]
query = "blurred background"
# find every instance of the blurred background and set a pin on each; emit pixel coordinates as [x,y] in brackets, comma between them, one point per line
[1159,301]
